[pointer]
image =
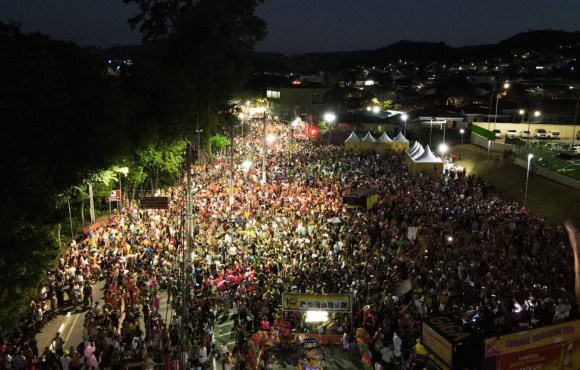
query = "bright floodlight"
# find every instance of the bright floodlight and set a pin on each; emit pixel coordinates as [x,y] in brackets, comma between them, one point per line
[462,131]
[369,109]
[316,316]
[404,117]
[329,117]
[296,122]
[522,111]
[443,148]
[530,156]
[376,109]
[506,85]
[270,138]
[537,113]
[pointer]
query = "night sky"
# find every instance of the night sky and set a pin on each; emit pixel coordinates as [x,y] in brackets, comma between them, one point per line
[298,26]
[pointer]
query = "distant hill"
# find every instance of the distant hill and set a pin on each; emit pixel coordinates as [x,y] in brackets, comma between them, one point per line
[543,40]
[422,51]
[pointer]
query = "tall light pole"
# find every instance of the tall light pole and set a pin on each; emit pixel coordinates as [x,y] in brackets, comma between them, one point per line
[404,117]
[462,131]
[522,113]
[198,132]
[488,148]
[329,118]
[430,132]
[530,156]
[269,139]
[242,122]
[575,118]
[536,114]
[505,86]
[231,166]
[264,149]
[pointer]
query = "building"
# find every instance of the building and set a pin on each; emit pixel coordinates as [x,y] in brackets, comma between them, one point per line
[285,102]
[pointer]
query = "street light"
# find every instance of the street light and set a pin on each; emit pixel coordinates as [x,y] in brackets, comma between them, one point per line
[198,132]
[270,138]
[536,114]
[505,86]
[530,156]
[329,118]
[404,117]
[462,131]
[242,121]
[488,148]
[522,113]
[443,148]
[575,118]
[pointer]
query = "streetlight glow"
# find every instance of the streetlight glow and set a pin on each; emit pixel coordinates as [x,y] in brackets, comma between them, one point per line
[506,86]
[329,118]
[376,109]
[462,131]
[404,117]
[443,148]
[530,156]
[270,138]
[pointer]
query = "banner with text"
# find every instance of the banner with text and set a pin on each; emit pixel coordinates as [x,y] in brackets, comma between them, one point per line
[551,347]
[321,302]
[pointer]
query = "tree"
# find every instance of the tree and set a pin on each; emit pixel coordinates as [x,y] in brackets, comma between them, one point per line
[456,92]
[162,161]
[64,120]
[208,42]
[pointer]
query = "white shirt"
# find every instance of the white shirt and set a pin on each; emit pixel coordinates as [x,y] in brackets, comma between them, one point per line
[202,355]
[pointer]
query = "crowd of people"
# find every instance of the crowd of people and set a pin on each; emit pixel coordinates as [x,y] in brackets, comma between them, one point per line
[452,241]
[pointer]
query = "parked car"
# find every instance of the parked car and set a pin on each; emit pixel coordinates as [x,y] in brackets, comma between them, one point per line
[525,134]
[554,135]
[497,134]
[541,134]
[511,134]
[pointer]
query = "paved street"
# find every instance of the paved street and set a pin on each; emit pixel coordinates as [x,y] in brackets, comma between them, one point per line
[70,322]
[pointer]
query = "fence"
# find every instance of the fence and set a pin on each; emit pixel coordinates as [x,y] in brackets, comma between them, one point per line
[553,161]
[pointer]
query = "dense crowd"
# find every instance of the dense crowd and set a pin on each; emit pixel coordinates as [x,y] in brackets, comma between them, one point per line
[452,241]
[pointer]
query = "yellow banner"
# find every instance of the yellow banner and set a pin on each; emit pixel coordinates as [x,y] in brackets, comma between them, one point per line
[320,302]
[530,339]
[437,344]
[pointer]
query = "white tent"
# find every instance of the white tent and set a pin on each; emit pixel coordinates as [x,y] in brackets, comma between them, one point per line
[368,138]
[415,146]
[426,163]
[400,138]
[384,138]
[419,152]
[427,157]
[352,138]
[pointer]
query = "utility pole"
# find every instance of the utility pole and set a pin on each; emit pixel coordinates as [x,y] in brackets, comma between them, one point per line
[189,202]
[198,131]
[187,244]
[231,166]
[264,149]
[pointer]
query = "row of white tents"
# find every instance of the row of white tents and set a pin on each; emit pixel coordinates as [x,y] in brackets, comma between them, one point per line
[419,159]
[384,143]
